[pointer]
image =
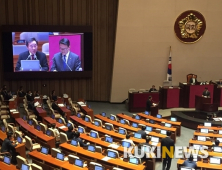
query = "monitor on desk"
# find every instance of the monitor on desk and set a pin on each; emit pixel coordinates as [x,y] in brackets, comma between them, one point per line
[112,118]
[148,128]
[60,156]
[168,125]
[126,144]
[80,130]
[108,127]
[159,116]
[79,162]
[38,127]
[86,119]
[30,122]
[220,132]
[97,167]
[164,132]
[207,124]
[215,160]
[197,147]
[155,139]
[96,123]
[7,160]
[3,128]
[134,160]
[122,131]
[91,148]
[151,121]
[217,149]
[137,135]
[137,117]
[74,142]
[103,114]
[185,168]
[173,119]
[19,139]
[93,134]
[60,121]
[48,132]
[44,150]
[108,139]
[25,167]
[53,116]
[79,115]
[204,130]
[147,113]
[24,117]
[135,125]
[201,138]
[111,154]
[68,124]
[122,121]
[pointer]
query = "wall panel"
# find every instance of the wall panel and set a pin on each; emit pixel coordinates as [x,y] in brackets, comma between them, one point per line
[100,14]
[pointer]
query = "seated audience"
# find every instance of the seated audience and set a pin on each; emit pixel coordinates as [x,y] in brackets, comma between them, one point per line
[21,93]
[70,133]
[53,95]
[56,107]
[36,93]
[128,140]
[152,89]
[81,143]
[142,132]
[53,126]
[190,163]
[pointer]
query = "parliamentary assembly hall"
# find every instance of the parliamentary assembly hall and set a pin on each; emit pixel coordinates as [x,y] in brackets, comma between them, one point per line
[110,85]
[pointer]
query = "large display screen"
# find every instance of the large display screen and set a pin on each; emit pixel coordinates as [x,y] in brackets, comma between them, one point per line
[47,51]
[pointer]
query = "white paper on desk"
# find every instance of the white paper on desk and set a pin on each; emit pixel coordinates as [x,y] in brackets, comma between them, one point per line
[113,146]
[66,159]
[83,105]
[220,118]
[106,158]
[37,98]
[12,110]
[61,105]
[147,132]
[11,100]
[154,143]
[216,119]
[62,127]
[80,103]
[15,112]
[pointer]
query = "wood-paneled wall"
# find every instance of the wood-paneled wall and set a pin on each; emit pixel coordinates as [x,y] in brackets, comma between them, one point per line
[100,14]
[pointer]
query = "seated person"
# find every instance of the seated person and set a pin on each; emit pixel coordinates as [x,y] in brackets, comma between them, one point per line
[36,93]
[5,93]
[9,146]
[206,93]
[216,143]
[147,151]
[29,96]
[56,107]
[219,82]
[142,132]
[21,93]
[193,80]
[190,163]
[53,95]
[128,140]
[70,134]
[152,89]
[81,143]
[146,143]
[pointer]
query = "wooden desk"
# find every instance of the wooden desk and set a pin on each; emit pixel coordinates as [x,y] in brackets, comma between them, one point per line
[173,130]
[104,131]
[49,120]
[41,112]
[204,104]
[177,124]
[87,111]
[20,148]
[13,105]
[210,128]
[212,135]
[47,162]
[202,165]
[98,156]
[206,143]
[67,111]
[137,101]
[35,134]
[127,127]
[4,166]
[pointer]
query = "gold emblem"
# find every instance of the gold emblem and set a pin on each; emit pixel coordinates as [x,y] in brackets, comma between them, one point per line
[190,26]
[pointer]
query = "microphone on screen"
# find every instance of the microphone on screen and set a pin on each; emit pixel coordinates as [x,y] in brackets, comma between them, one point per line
[28,57]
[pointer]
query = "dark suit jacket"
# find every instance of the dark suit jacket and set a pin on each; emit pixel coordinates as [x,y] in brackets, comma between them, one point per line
[151,89]
[148,105]
[7,146]
[73,62]
[30,98]
[167,142]
[206,93]
[190,164]
[70,135]
[191,81]
[81,143]
[143,133]
[40,56]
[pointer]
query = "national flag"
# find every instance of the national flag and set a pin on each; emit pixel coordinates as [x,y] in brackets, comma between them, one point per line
[169,71]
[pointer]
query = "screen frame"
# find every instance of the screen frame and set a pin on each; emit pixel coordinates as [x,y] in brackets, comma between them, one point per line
[8,69]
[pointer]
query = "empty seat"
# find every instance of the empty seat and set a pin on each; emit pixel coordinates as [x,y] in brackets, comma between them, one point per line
[98,122]
[36,167]
[111,126]
[29,145]
[45,48]
[17,49]
[63,137]
[42,36]
[26,35]
[20,161]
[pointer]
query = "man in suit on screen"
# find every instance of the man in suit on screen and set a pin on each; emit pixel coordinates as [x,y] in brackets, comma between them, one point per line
[33,54]
[65,60]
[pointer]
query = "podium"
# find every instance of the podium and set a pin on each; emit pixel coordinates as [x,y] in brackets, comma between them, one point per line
[204,104]
[154,110]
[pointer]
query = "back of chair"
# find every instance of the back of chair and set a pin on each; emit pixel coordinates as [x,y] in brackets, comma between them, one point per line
[5,124]
[43,127]
[35,122]
[72,158]
[11,128]
[99,149]
[189,76]
[63,137]
[28,143]
[52,132]
[36,167]
[20,161]
[54,152]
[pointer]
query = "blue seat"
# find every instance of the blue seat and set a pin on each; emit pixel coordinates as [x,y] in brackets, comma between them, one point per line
[43,36]
[17,49]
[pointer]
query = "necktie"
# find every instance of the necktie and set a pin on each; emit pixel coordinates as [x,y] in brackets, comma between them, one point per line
[64,62]
[33,57]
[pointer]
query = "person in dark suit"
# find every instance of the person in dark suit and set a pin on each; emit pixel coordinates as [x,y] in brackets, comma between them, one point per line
[6,94]
[81,143]
[147,149]
[8,146]
[219,82]
[193,80]
[142,132]
[65,60]
[206,93]
[152,89]
[70,134]
[190,163]
[33,54]
[149,104]
[216,143]
[21,93]
[167,143]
